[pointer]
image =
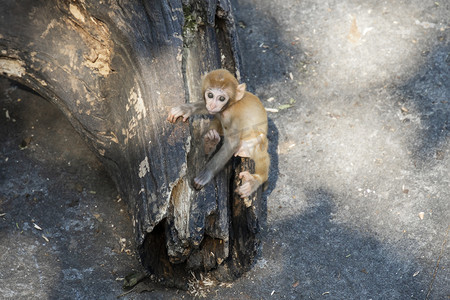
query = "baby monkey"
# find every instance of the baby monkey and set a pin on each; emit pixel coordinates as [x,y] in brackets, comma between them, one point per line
[240,118]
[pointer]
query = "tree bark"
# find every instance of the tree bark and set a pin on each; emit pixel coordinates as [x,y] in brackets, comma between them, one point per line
[114,68]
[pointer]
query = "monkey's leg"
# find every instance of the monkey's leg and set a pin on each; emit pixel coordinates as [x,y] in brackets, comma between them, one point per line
[247,147]
[251,182]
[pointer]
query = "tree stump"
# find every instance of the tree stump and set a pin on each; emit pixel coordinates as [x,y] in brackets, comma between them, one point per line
[115,68]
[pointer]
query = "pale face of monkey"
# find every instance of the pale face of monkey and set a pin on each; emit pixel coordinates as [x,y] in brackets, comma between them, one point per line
[216,99]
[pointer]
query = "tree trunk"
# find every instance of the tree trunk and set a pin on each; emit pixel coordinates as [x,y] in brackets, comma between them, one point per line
[114,68]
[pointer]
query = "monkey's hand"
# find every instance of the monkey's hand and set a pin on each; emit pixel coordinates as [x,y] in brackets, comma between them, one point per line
[202,179]
[249,184]
[211,139]
[179,111]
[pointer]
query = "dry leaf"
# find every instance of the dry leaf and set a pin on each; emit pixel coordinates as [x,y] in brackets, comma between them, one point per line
[45,238]
[355,35]
[132,279]
[405,190]
[98,217]
[284,106]
[242,24]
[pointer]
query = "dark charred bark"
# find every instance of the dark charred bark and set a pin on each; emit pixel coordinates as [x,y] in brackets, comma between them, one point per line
[114,68]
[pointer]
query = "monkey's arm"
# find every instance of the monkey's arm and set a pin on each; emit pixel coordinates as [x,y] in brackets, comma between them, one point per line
[186,110]
[218,161]
[212,137]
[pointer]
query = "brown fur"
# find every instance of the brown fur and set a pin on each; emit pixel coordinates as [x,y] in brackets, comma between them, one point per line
[222,79]
[242,120]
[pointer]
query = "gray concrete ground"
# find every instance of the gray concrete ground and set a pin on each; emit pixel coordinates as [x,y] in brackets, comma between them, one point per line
[358,201]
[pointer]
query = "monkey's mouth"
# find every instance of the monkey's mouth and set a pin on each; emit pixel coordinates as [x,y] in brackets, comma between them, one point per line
[214,111]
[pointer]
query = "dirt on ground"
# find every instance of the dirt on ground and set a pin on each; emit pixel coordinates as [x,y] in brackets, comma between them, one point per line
[359,190]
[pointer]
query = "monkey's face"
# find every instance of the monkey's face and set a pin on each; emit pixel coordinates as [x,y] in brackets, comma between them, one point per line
[216,99]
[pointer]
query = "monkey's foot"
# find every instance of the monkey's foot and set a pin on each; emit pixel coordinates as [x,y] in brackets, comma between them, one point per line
[211,139]
[249,184]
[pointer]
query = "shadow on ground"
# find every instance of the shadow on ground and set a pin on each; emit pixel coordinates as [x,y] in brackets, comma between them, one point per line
[322,257]
[266,57]
[64,234]
[428,96]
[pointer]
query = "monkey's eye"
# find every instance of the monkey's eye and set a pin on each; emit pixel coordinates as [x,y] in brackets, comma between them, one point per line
[222,98]
[210,95]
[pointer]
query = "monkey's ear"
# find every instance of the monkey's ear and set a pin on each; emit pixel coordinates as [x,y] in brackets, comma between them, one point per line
[240,91]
